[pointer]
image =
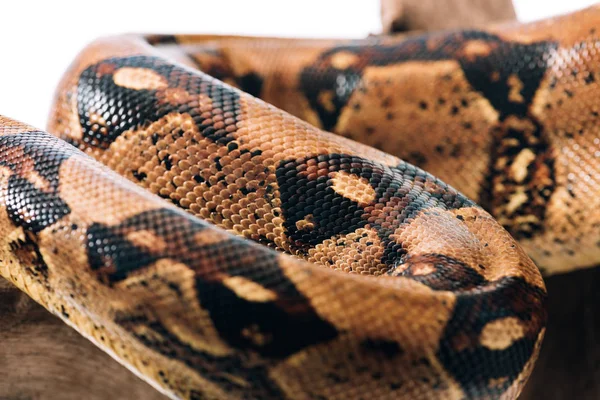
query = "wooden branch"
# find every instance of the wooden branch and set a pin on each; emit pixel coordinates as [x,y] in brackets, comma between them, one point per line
[430,15]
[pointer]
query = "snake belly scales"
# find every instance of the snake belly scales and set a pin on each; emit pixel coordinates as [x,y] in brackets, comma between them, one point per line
[287,262]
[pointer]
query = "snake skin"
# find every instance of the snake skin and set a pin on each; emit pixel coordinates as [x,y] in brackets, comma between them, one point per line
[286,262]
[508,115]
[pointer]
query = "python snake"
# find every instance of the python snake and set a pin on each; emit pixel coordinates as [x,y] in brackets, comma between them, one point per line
[301,264]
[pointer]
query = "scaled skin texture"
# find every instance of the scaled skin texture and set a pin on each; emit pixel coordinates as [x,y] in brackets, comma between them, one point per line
[299,264]
[506,115]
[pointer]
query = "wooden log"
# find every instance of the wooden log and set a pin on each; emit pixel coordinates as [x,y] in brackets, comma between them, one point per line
[569,363]
[42,358]
[431,15]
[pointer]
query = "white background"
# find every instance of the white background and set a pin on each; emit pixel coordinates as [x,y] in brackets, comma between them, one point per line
[40,38]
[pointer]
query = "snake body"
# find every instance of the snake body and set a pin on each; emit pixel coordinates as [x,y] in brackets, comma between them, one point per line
[270,259]
[507,116]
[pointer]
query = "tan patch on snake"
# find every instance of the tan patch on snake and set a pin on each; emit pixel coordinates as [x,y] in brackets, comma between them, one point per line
[249,290]
[326,100]
[515,85]
[515,201]
[96,118]
[38,180]
[519,167]
[476,48]
[497,383]
[422,269]
[98,122]
[255,336]
[178,96]
[207,237]
[343,60]
[306,224]
[139,79]
[353,187]
[357,252]
[25,168]
[147,239]
[502,333]
[436,116]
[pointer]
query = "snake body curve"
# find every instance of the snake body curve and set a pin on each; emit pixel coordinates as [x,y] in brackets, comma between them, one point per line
[307,265]
[506,115]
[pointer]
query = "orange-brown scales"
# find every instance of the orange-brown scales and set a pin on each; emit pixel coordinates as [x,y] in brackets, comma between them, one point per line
[507,115]
[438,299]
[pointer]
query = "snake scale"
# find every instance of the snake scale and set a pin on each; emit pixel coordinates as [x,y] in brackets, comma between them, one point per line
[268,258]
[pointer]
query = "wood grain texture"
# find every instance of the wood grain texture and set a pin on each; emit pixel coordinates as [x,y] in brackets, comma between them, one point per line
[569,363]
[431,15]
[42,358]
